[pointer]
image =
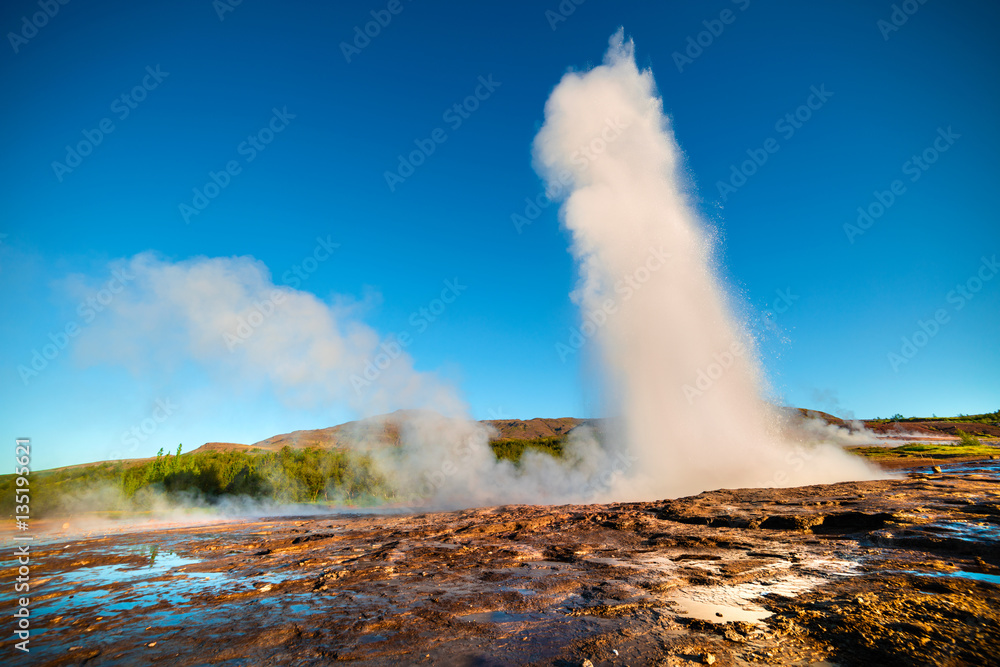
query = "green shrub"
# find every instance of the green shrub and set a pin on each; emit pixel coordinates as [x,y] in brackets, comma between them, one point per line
[967,439]
[512,449]
[289,475]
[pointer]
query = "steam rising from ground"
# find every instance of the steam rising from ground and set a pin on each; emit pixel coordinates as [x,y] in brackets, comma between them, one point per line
[226,316]
[680,372]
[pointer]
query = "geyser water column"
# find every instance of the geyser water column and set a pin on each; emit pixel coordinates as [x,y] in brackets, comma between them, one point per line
[680,372]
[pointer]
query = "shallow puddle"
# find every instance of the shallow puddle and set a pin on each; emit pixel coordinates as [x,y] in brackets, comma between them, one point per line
[973,532]
[513,589]
[991,468]
[715,612]
[961,574]
[497,617]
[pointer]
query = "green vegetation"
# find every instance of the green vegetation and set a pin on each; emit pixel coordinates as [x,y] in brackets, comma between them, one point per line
[989,418]
[918,451]
[967,439]
[288,475]
[308,475]
[512,449]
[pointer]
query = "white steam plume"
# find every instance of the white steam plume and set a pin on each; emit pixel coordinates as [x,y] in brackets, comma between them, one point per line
[227,317]
[680,372]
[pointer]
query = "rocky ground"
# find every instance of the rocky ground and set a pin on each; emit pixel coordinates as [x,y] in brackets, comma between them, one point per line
[893,572]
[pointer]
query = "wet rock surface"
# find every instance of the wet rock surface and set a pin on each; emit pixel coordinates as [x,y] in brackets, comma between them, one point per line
[903,571]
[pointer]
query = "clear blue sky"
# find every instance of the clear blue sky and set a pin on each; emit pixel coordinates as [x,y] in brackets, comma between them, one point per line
[886,93]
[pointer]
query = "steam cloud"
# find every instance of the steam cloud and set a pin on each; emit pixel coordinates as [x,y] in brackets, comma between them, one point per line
[227,317]
[679,371]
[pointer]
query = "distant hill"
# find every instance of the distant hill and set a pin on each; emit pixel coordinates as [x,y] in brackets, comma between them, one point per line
[384,429]
[533,428]
[936,428]
[828,418]
[984,425]
[221,447]
[380,429]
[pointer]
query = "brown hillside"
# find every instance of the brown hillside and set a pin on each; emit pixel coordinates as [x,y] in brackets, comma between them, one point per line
[385,429]
[380,430]
[220,447]
[533,428]
[825,416]
[324,438]
[936,428]
[929,428]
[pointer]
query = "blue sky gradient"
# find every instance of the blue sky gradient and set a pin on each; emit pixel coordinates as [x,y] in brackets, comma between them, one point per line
[841,300]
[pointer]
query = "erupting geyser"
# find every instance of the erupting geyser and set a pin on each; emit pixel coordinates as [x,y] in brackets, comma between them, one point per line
[680,372]
[681,375]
